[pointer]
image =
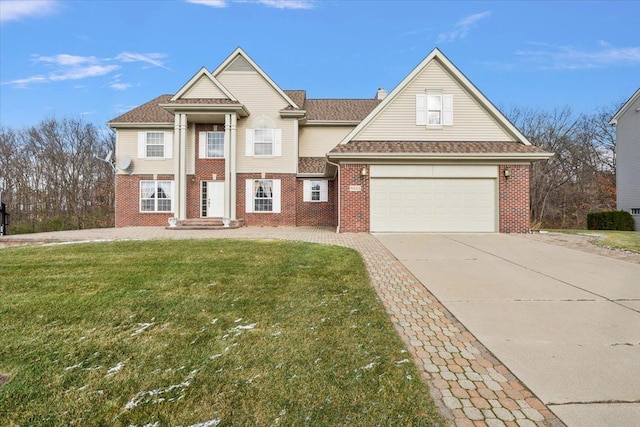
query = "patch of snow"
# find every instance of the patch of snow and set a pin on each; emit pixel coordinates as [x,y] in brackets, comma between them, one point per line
[250,380]
[215,356]
[276,334]
[115,369]
[143,327]
[140,396]
[210,423]
[214,321]
[238,320]
[369,366]
[400,362]
[79,365]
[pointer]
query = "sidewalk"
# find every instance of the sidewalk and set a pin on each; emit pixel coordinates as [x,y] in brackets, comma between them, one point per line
[470,386]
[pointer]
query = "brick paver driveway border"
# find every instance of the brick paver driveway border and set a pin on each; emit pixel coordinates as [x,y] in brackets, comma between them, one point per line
[470,386]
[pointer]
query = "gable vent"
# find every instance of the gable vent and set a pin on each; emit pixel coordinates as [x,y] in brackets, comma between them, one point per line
[240,64]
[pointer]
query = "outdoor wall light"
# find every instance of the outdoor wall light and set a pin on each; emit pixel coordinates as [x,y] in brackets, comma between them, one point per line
[507,173]
[193,179]
[364,171]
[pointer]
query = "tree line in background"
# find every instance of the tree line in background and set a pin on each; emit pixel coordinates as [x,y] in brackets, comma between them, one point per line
[51,180]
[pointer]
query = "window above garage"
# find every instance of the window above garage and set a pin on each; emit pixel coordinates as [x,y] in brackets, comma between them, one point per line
[434,109]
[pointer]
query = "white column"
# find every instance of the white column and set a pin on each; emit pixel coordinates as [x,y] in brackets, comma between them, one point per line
[232,164]
[227,171]
[177,178]
[183,166]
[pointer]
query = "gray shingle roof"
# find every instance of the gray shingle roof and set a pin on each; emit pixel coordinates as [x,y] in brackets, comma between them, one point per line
[150,112]
[339,109]
[311,164]
[457,147]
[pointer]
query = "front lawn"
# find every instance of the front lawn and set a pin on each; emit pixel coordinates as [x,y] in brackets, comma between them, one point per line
[625,240]
[195,332]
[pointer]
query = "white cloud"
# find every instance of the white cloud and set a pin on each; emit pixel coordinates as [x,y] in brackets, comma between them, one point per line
[73,67]
[462,28]
[288,4]
[211,3]
[19,9]
[150,58]
[277,4]
[567,57]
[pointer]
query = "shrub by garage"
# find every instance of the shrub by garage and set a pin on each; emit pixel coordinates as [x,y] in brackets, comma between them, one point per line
[610,220]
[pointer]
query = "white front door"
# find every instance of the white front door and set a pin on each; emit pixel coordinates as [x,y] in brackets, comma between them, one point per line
[214,199]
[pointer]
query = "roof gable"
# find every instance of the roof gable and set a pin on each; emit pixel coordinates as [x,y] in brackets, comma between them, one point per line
[240,62]
[625,107]
[203,85]
[437,62]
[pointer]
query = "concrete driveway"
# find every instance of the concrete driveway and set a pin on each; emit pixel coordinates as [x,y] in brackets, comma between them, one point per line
[566,322]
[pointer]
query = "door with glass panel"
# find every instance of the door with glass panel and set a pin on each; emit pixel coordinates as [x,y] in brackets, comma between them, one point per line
[212,199]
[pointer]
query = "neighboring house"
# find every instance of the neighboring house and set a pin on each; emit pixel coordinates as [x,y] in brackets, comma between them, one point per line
[627,123]
[434,155]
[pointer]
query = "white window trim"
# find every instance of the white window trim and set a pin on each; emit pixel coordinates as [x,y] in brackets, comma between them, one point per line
[422,109]
[308,190]
[250,199]
[634,211]
[276,149]
[203,148]
[142,145]
[172,198]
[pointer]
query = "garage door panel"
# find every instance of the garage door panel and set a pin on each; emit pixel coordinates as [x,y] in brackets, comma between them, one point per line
[433,205]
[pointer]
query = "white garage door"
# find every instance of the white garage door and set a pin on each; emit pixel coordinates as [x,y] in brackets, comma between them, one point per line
[433,205]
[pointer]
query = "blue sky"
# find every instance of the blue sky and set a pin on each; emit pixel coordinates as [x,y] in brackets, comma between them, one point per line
[98,59]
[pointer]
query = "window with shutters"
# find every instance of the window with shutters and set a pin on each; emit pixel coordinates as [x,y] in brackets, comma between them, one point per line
[264,140]
[155,145]
[434,109]
[263,195]
[316,190]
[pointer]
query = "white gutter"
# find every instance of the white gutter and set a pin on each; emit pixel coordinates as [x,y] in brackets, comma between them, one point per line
[338,183]
[449,156]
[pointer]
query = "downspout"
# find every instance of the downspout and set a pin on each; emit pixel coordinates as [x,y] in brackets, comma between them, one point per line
[338,177]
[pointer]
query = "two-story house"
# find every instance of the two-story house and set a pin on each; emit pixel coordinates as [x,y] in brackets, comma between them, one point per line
[627,123]
[433,155]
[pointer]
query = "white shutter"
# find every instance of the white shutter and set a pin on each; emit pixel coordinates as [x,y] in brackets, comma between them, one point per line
[306,190]
[277,142]
[421,109]
[142,145]
[168,145]
[249,143]
[202,150]
[276,196]
[447,110]
[324,190]
[248,196]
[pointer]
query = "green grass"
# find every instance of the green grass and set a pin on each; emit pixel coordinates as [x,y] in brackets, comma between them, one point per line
[185,332]
[626,240]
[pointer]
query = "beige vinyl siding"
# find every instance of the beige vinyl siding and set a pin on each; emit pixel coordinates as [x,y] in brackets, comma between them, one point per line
[260,98]
[127,145]
[317,141]
[628,160]
[191,148]
[398,120]
[204,88]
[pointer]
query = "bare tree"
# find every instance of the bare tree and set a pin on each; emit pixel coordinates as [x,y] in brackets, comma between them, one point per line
[51,178]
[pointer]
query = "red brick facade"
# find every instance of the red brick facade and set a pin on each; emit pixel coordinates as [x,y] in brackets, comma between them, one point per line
[127,202]
[316,213]
[354,203]
[513,194]
[287,217]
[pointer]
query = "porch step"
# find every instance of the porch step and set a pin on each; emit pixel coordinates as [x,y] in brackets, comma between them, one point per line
[206,224]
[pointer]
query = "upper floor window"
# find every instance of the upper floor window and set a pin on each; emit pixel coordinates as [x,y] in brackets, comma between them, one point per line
[434,109]
[264,139]
[155,145]
[211,145]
